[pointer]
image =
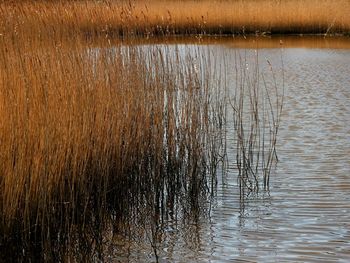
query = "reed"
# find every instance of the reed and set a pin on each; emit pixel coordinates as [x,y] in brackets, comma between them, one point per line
[95,136]
[159,17]
[257,109]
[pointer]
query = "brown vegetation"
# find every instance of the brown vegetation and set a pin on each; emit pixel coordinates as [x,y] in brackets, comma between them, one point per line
[178,16]
[92,135]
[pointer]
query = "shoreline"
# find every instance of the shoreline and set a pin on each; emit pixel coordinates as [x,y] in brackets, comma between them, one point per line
[176,17]
[247,41]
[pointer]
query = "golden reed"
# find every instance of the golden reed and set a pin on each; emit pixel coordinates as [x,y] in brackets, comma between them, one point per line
[90,133]
[179,16]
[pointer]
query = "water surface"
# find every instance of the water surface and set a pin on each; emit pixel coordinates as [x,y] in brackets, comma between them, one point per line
[305,215]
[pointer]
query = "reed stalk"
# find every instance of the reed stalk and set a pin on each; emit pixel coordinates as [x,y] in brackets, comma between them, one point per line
[257,108]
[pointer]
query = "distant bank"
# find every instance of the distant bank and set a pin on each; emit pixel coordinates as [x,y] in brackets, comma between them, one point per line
[160,17]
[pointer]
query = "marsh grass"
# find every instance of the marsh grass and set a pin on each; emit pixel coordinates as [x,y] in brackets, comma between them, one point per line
[94,140]
[92,137]
[157,17]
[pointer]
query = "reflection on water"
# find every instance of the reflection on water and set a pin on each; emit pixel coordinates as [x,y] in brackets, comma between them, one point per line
[245,42]
[305,216]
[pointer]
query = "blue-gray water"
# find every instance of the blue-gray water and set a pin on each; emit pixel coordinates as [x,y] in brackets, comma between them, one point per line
[305,215]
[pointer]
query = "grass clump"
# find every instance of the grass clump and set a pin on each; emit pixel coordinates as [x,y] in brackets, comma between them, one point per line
[89,135]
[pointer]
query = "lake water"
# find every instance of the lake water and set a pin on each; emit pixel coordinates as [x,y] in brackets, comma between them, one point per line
[305,215]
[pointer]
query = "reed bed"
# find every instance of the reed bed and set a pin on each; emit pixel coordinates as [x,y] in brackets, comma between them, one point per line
[157,17]
[96,136]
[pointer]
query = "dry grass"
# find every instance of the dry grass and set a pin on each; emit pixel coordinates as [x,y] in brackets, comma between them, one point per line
[86,133]
[277,16]
[169,17]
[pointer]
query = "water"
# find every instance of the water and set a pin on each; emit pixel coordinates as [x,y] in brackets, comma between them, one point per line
[305,215]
